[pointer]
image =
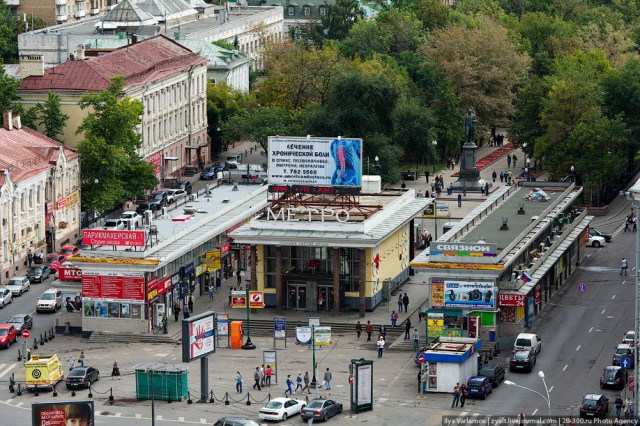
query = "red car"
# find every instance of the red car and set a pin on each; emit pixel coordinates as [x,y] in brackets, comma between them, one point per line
[8,335]
[54,260]
[68,251]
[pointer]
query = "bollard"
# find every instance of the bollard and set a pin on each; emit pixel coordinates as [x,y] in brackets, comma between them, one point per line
[248,400]
[55,391]
[111,394]
[169,401]
[35,343]
[19,390]
[19,355]
[52,334]
[189,401]
[41,340]
[73,393]
[226,397]
[46,338]
[11,389]
[36,392]
[211,400]
[90,391]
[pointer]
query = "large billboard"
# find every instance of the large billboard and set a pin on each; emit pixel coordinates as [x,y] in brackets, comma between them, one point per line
[198,336]
[113,285]
[462,294]
[105,237]
[62,413]
[315,161]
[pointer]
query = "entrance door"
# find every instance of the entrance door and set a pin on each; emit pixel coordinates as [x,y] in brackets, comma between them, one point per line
[297,297]
[325,298]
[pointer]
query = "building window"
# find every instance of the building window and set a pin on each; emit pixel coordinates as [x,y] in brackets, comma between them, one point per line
[22,202]
[290,10]
[31,198]
[307,11]
[323,11]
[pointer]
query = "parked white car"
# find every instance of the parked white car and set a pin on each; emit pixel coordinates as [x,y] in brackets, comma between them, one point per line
[18,285]
[174,195]
[596,241]
[6,297]
[281,409]
[114,224]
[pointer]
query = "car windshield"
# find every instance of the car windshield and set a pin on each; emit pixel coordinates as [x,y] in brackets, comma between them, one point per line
[36,270]
[127,215]
[622,351]
[14,282]
[4,332]
[111,223]
[76,373]
[521,355]
[67,251]
[16,319]
[523,342]
[51,259]
[315,404]
[486,372]
[273,404]
[630,336]
[157,196]
[48,296]
[589,402]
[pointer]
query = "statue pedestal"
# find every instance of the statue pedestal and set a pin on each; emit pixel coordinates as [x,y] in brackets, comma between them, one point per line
[469,174]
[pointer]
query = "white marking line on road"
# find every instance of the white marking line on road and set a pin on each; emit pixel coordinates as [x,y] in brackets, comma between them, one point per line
[475,414]
[9,368]
[138,416]
[203,421]
[2,366]
[551,388]
[117,415]
[613,297]
[19,404]
[624,281]
[578,348]
[158,417]
[8,401]
[464,413]
[602,313]
[591,329]
[534,412]
[565,367]
[181,419]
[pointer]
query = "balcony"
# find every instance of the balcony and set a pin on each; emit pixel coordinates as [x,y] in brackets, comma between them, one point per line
[61,18]
[14,3]
[94,11]
[61,2]
[80,13]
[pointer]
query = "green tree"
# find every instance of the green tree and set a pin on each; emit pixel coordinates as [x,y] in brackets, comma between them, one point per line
[258,124]
[340,17]
[8,91]
[8,35]
[32,23]
[112,170]
[52,117]
[525,128]
[29,117]
[414,130]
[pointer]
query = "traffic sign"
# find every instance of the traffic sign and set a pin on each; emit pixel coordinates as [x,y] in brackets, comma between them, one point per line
[26,334]
[625,362]
[582,287]
[421,358]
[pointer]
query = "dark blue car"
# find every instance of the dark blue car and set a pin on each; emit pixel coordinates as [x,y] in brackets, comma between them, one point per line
[209,173]
[479,387]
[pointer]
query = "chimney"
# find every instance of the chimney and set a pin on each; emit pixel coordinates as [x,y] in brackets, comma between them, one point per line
[134,39]
[8,122]
[31,65]
[80,53]
[16,122]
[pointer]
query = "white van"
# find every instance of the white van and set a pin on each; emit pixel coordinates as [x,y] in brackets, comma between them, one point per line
[233,161]
[528,342]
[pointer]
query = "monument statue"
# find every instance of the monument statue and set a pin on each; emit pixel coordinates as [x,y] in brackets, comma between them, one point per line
[469,127]
[469,176]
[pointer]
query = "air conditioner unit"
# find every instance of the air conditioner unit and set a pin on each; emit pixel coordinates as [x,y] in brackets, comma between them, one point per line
[29,229]
[193,197]
[164,211]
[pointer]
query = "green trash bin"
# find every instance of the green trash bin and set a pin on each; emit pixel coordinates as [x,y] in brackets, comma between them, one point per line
[165,382]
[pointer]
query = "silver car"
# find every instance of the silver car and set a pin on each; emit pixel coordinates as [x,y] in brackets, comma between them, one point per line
[18,285]
[6,297]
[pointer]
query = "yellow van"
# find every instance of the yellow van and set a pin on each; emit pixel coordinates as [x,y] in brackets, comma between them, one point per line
[43,371]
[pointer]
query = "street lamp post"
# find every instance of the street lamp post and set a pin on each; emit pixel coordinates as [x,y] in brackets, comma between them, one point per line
[547,398]
[634,196]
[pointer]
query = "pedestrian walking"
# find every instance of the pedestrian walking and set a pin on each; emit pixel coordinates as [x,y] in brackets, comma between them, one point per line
[30,257]
[299,383]
[238,382]
[635,224]
[289,386]
[358,329]
[405,302]
[501,177]
[239,275]
[380,344]
[176,310]
[624,264]
[394,318]
[72,364]
[327,379]
[463,394]
[521,418]
[515,161]
[262,375]
[190,302]
[256,378]
[459,200]
[416,338]
[627,407]
[400,302]
[382,330]
[426,175]
[627,222]
[619,405]
[210,292]
[456,395]
[369,329]
[185,311]
[81,359]
[407,329]
[267,376]
[494,175]
[508,161]
[306,382]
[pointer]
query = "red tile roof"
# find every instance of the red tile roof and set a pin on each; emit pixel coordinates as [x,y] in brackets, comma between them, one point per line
[27,153]
[140,63]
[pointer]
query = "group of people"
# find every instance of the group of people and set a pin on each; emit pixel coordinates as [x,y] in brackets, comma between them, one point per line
[631,223]
[403,301]
[34,257]
[261,378]
[512,159]
[187,308]
[424,240]
[623,405]
[459,395]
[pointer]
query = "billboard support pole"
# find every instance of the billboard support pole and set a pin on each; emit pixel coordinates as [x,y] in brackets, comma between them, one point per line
[204,379]
[249,344]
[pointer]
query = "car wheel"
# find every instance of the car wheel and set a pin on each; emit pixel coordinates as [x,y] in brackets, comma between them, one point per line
[324,418]
[484,396]
[8,344]
[284,417]
[596,244]
[340,412]
[2,306]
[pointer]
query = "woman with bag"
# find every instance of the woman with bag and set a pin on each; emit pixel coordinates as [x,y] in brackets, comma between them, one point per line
[176,310]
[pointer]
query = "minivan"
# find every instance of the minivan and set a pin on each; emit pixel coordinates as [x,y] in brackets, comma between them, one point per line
[479,386]
[528,342]
[494,372]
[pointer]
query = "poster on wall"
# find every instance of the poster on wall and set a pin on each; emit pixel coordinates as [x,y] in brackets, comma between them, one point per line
[437,294]
[469,294]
